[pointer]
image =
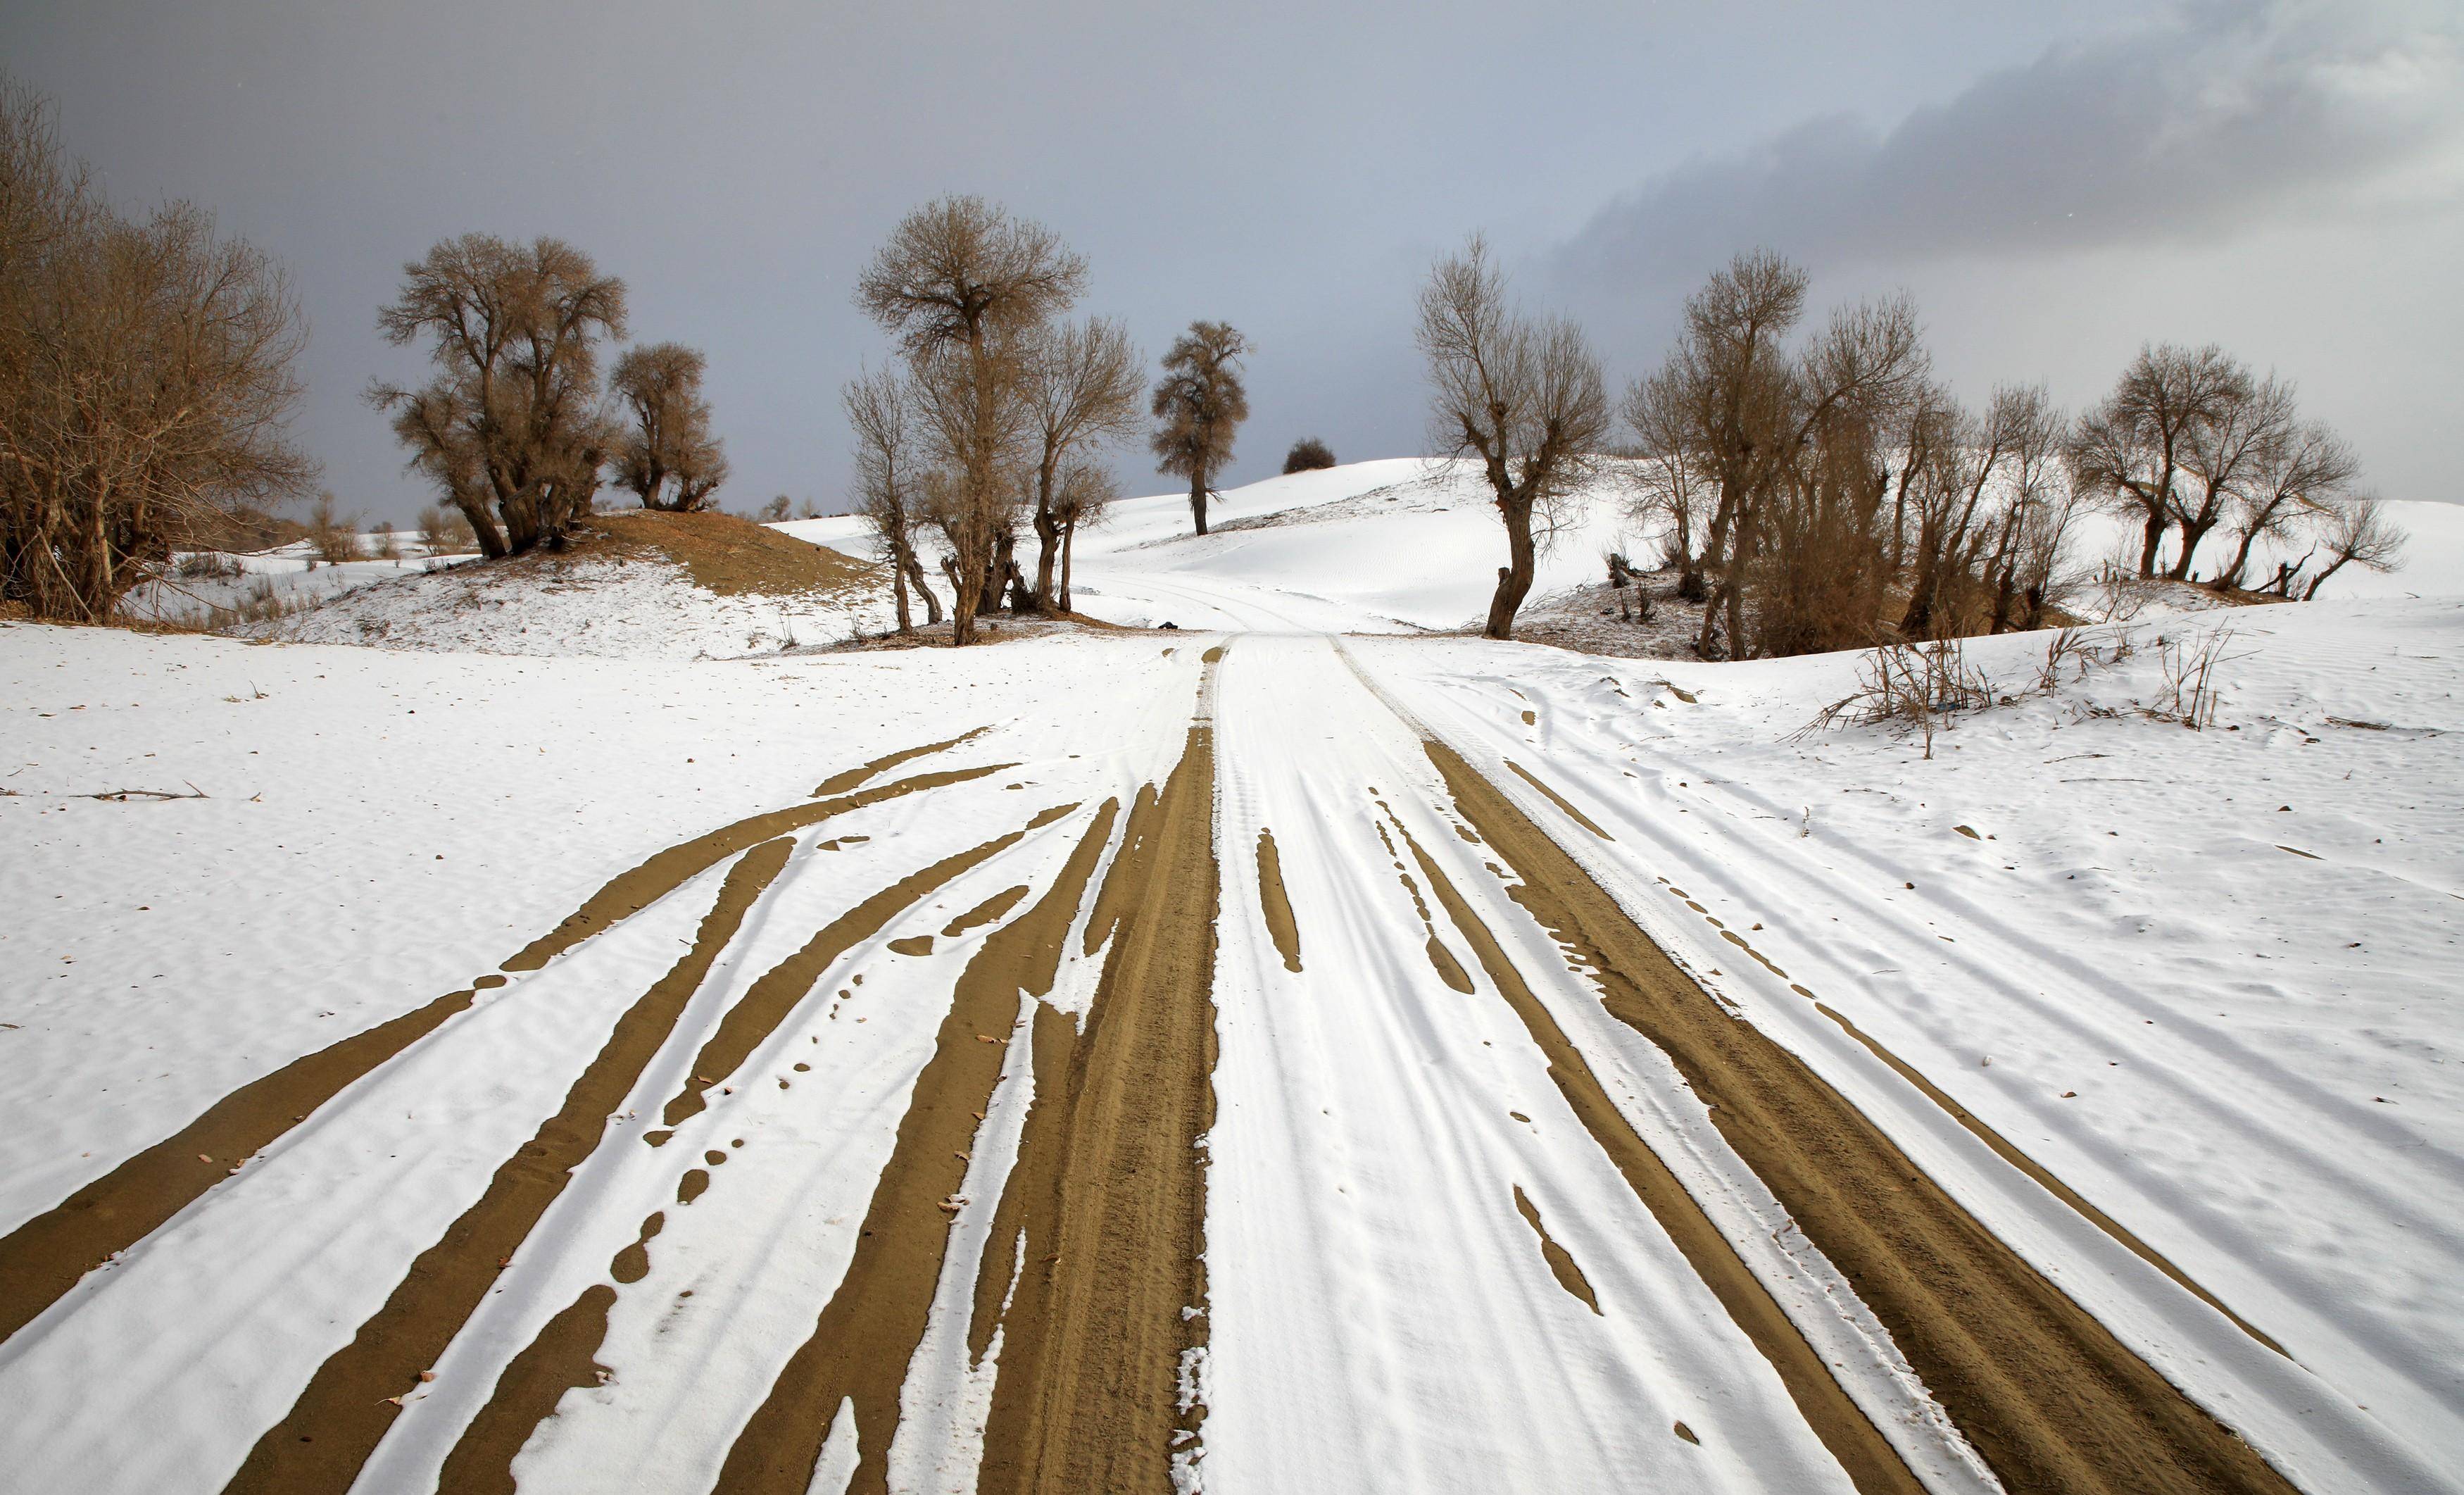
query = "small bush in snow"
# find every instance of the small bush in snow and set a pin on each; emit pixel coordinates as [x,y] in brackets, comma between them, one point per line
[1308,455]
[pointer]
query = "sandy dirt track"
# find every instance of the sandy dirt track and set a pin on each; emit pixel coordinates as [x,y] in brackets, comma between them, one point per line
[1190,1133]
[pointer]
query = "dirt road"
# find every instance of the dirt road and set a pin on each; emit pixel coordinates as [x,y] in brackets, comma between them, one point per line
[1283,1109]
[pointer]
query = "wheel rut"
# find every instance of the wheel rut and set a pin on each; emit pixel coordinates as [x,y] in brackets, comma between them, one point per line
[2044,1392]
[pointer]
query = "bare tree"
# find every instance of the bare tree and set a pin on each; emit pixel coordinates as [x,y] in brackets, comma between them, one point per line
[2300,474]
[1668,480]
[2225,449]
[963,287]
[1087,495]
[334,536]
[1082,391]
[1523,396]
[145,379]
[1790,442]
[1970,498]
[1200,402]
[444,531]
[667,457]
[2359,533]
[888,482]
[2131,449]
[510,429]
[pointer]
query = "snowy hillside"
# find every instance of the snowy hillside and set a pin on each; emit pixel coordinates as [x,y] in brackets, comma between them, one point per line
[1405,545]
[634,585]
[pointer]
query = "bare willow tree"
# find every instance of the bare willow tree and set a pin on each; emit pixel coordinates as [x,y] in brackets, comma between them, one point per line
[1523,396]
[964,288]
[1668,481]
[1965,516]
[1085,495]
[1199,403]
[2132,449]
[889,482]
[666,455]
[145,379]
[1082,392]
[2298,480]
[511,429]
[2357,532]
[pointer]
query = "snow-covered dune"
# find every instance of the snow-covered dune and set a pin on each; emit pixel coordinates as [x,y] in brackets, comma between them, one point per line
[1407,545]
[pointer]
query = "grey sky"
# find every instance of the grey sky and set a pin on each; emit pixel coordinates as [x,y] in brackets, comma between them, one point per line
[1291,168]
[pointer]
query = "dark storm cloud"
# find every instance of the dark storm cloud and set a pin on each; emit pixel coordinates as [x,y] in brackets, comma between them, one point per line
[2193,130]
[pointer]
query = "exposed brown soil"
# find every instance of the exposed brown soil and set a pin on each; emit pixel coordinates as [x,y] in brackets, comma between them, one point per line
[46,1256]
[630,891]
[724,553]
[1111,1183]
[2045,1392]
[780,990]
[988,911]
[1557,800]
[867,1335]
[848,779]
[1868,1458]
[1561,1262]
[338,1418]
[1277,905]
[563,1356]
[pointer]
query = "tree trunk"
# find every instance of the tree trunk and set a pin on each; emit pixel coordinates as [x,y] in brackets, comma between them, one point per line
[2152,540]
[997,566]
[1048,540]
[931,599]
[1197,501]
[899,560]
[2192,532]
[491,539]
[962,603]
[1069,540]
[1741,540]
[1515,578]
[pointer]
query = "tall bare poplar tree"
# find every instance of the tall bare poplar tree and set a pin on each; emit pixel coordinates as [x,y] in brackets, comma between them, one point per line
[1521,396]
[666,455]
[145,379]
[964,287]
[1199,403]
[1082,389]
[510,429]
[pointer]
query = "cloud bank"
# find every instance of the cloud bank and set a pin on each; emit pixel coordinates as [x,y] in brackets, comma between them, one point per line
[2215,119]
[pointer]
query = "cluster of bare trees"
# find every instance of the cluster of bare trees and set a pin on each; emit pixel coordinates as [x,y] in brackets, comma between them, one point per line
[998,404]
[514,428]
[1826,491]
[145,379]
[2191,445]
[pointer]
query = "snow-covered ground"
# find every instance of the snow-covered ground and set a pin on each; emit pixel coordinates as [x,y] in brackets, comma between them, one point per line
[1404,545]
[285,579]
[2205,979]
[631,607]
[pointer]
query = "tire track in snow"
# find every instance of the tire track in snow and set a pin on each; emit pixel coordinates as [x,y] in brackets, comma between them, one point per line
[45,1257]
[2041,1388]
[1103,1327]
[1825,1405]
[354,1397]
[866,1336]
